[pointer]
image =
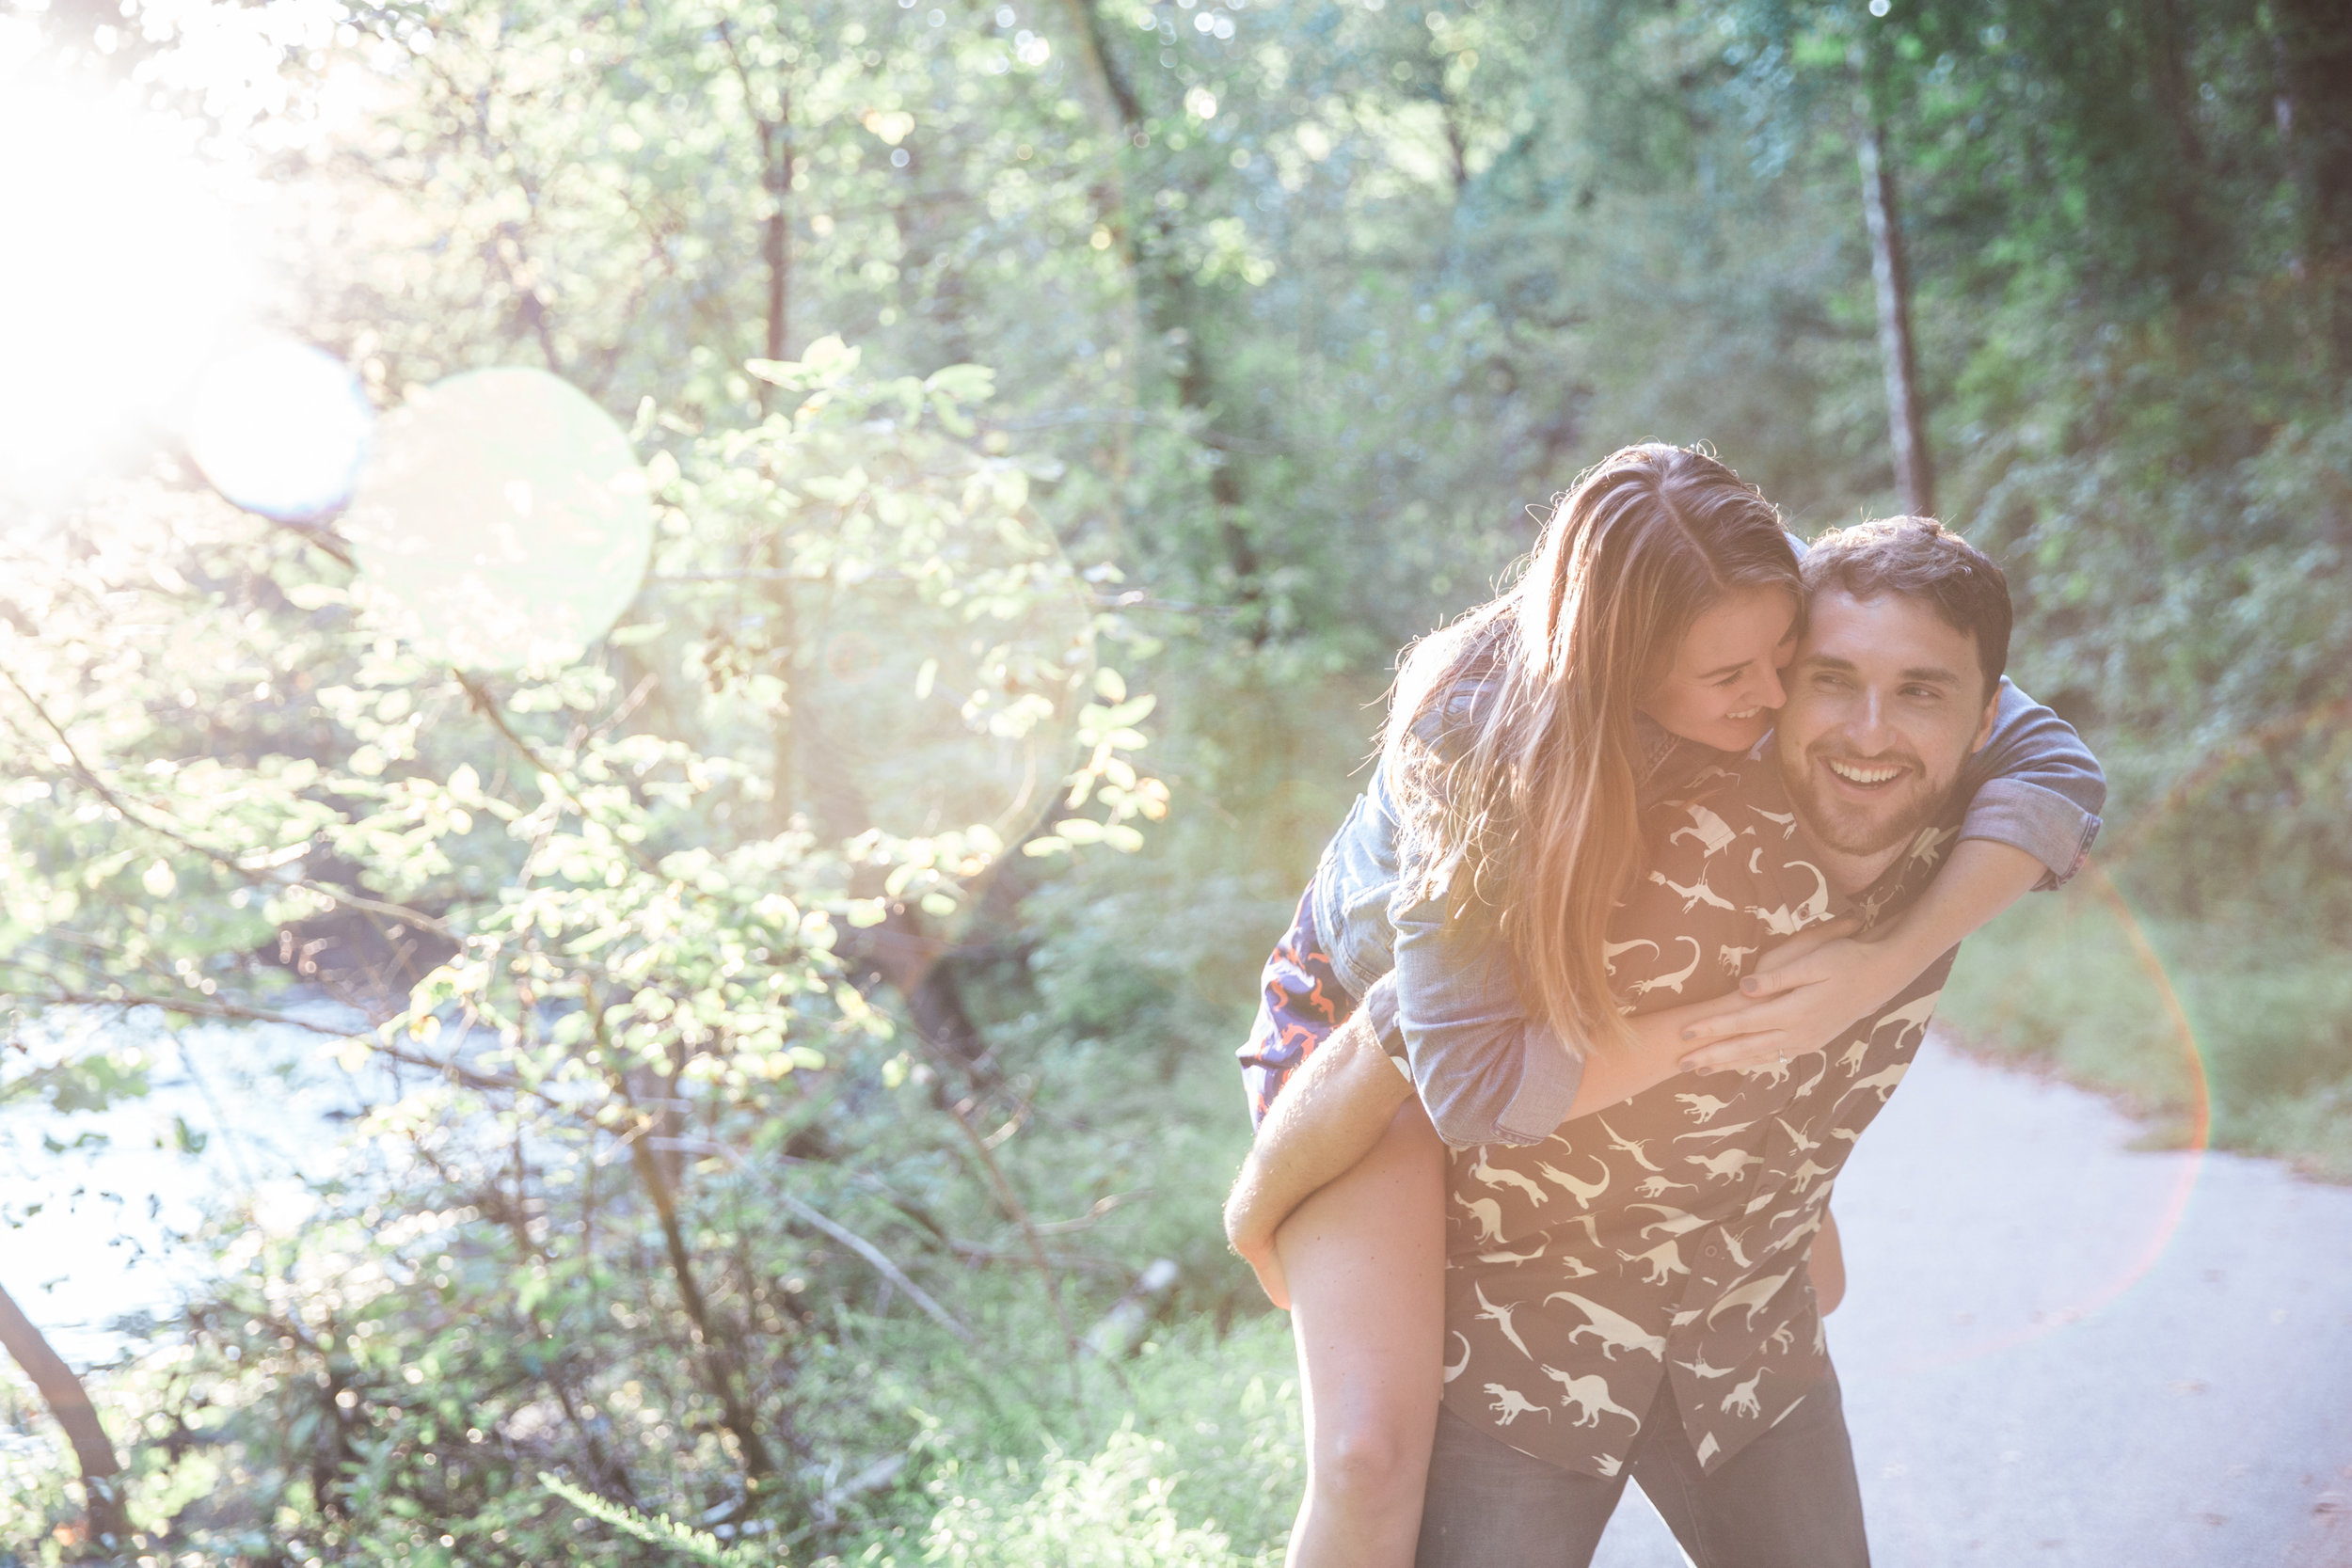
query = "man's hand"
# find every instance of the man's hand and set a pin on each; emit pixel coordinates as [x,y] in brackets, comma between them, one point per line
[1250,1222]
[1804,994]
[1328,1116]
[1259,1252]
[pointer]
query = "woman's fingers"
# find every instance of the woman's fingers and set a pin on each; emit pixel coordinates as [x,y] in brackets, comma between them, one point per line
[1786,965]
[1766,983]
[1765,1047]
[1709,1014]
[1749,1018]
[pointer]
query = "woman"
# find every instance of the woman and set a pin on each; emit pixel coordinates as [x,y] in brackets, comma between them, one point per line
[1644,639]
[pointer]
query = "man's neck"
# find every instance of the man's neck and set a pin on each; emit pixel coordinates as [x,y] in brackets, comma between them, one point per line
[1850,875]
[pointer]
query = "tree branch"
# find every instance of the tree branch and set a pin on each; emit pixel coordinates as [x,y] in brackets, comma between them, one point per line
[882,1266]
[69,1402]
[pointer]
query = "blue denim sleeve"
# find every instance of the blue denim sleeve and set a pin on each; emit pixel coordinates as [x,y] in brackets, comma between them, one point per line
[1439,997]
[2035,785]
[1486,1072]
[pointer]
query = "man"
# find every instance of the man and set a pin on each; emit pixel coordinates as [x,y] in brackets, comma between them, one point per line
[1629,1296]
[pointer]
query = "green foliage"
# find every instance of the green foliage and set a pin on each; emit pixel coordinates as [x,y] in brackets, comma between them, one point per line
[2258,1039]
[661,1531]
[1114,1509]
[1203,356]
[648,941]
[1204,1470]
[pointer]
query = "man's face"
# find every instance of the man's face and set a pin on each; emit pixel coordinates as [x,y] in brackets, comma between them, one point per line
[1885,702]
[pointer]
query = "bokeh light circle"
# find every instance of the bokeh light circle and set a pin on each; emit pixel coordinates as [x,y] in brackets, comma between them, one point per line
[281,429]
[501,522]
[892,711]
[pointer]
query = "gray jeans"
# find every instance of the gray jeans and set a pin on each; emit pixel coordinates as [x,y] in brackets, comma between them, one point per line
[1786,1500]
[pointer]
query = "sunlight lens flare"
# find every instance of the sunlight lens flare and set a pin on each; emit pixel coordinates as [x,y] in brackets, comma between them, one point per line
[913,718]
[942,717]
[121,270]
[501,522]
[2154,1233]
[281,429]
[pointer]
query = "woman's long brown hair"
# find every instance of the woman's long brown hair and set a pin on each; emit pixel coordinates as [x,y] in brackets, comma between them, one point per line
[1510,743]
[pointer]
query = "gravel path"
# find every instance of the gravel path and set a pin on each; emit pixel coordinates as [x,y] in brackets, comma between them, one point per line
[2062,1353]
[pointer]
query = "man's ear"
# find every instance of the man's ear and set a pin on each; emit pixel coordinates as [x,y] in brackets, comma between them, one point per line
[1984,730]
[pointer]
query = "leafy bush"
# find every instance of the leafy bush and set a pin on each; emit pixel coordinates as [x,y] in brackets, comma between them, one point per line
[2264,1028]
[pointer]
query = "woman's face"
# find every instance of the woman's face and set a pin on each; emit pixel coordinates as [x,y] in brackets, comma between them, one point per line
[1725,683]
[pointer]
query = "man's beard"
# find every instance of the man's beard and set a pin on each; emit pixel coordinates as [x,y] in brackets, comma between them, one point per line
[1858,828]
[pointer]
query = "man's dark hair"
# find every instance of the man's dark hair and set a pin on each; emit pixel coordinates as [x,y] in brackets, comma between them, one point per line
[1921,558]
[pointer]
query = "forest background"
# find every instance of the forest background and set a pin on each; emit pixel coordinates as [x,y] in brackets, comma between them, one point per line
[779,1159]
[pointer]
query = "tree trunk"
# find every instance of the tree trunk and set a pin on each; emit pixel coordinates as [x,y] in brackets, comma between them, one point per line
[2188,238]
[109,1528]
[1109,96]
[2315,43]
[775,176]
[721,1362]
[775,146]
[1914,474]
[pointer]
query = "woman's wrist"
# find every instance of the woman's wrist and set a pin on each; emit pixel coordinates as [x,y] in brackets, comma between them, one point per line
[1983,878]
[1906,945]
[1896,962]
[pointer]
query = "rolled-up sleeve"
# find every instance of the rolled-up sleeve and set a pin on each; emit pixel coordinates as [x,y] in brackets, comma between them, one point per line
[1485,1071]
[2035,785]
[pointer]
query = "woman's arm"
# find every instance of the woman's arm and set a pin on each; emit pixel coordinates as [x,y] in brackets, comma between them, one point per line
[2034,785]
[1486,1070]
[1804,994]
[2034,792]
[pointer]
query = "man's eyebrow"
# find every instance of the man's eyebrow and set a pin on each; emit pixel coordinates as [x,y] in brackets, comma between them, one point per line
[1916,673]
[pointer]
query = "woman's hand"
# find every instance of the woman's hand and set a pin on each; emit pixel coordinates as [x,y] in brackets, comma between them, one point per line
[1810,990]
[1265,1262]
[1803,995]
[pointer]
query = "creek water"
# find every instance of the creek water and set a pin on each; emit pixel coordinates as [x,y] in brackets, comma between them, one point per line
[237,1122]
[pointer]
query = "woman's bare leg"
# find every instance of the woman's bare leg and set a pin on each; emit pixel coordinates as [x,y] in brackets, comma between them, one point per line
[1365,1260]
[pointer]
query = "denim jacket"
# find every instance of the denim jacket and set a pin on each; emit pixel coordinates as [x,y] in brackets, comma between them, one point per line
[1444,1000]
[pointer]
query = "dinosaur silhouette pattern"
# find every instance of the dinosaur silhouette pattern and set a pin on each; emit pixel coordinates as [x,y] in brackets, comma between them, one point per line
[1665,1238]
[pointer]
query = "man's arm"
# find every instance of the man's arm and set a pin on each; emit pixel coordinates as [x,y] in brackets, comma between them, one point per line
[1328,1116]
[1826,1263]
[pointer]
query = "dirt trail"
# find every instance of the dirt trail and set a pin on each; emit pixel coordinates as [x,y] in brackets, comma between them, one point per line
[2060,1351]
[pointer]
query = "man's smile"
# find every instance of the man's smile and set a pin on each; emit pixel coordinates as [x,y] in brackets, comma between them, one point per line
[1865,778]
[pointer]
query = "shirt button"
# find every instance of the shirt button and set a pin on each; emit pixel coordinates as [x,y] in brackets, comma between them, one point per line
[1714,1251]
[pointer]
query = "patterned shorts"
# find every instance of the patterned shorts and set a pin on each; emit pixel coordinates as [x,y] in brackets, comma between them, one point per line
[1300,1000]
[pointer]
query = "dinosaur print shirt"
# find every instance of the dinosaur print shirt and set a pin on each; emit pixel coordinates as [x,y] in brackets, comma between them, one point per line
[1666,1237]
